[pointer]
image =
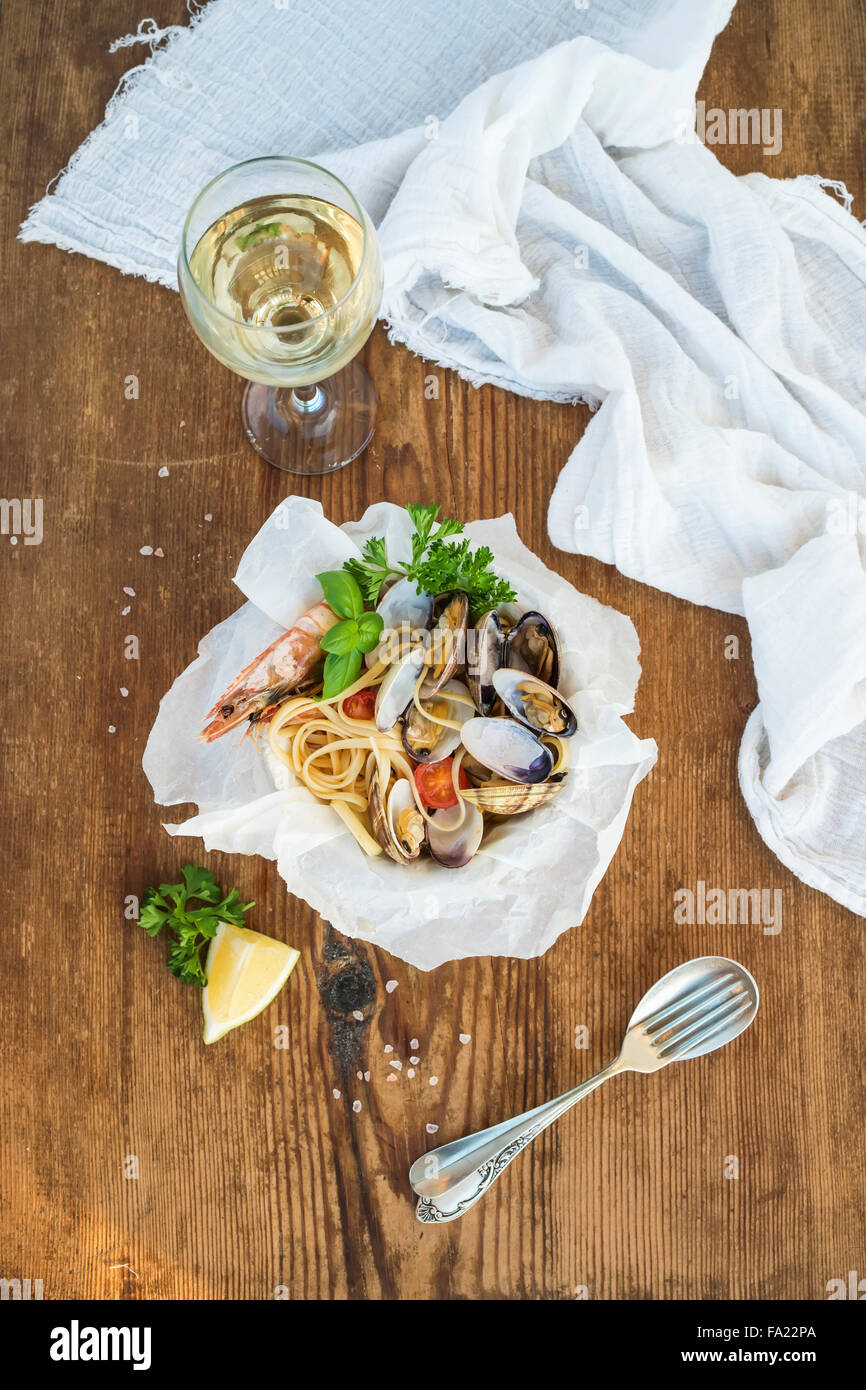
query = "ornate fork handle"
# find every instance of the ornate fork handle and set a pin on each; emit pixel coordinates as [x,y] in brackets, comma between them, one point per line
[428,1211]
[459,1180]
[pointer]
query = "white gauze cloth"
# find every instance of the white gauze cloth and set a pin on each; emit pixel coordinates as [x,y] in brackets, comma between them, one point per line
[558,235]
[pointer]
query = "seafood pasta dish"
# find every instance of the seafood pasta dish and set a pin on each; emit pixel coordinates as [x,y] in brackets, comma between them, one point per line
[416,700]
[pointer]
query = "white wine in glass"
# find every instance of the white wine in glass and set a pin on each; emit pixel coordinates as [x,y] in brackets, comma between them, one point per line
[284,288]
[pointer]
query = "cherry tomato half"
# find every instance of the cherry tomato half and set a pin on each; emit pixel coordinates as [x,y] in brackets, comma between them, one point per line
[361,705]
[435,785]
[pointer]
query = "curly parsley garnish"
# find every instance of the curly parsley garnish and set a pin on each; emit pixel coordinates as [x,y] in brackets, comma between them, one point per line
[191,928]
[435,566]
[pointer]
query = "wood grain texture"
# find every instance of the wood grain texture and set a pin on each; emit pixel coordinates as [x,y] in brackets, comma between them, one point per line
[252,1176]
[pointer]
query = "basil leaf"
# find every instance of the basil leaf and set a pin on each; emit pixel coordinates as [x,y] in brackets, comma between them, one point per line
[369,627]
[342,593]
[340,672]
[342,638]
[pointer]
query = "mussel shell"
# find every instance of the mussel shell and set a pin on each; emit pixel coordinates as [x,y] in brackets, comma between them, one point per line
[485,654]
[451,844]
[532,645]
[508,748]
[426,741]
[395,692]
[534,703]
[512,798]
[447,639]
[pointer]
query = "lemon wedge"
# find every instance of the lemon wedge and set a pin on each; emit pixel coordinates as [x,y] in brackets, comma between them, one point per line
[245,971]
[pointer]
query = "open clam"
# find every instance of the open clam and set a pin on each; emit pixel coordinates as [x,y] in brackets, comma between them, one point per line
[534,703]
[406,612]
[512,798]
[508,748]
[484,655]
[453,836]
[396,821]
[396,689]
[532,645]
[447,639]
[428,741]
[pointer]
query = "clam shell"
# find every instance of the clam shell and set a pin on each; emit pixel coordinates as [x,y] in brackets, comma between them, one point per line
[403,603]
[447,639]
[395,692]
[485,654]
[385,820]
[428,742]
[405,613]
[508,748]
[534,703]
[405,822]
[512,798]
[532,645]
[451,844]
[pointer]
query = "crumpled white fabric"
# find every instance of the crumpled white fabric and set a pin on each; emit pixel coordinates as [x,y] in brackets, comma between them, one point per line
[533,876]
[556,234]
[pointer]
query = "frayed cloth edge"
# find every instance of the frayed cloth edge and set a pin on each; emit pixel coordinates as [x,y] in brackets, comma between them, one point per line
[160,41]
[402,333]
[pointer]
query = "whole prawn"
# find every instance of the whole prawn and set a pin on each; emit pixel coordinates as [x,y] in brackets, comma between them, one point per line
[270,677]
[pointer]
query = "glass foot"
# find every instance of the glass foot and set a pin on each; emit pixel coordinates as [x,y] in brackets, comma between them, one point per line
[312,429]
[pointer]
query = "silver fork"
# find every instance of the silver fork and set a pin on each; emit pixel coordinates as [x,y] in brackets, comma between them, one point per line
[697,1007]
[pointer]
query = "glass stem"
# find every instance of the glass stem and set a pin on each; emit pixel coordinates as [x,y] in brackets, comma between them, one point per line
[307,400]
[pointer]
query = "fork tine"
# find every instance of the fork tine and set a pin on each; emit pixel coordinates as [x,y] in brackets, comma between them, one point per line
[682,1044]
[686,1002]
[665,1032]
[686,1026]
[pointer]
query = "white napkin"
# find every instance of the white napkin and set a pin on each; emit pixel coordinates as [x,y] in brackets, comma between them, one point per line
[533,876]
[557,235]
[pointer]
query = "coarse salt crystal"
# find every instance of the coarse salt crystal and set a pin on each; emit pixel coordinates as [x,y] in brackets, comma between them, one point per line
[146,550]
[414,1061]
[391,985]
[356,1013]
[465,1038]
[366,1076]
[388,1047]
[356,1106]
[111,729]
[432,1129]
[124,692]
[124,611]
[390,1077]
[411,1072]
[129,591]
[434,1080]
[414,1044]
[163,472]
[336,1094]
[208,516]
[398,1066]
[159,553]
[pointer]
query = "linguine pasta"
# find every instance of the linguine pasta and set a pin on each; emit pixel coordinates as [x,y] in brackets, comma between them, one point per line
[335,755]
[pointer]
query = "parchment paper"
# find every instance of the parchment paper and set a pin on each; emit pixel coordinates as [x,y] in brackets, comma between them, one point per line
[533,876]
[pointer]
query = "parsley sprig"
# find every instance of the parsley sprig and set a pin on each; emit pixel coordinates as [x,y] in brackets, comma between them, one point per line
[191,928]
[435,565]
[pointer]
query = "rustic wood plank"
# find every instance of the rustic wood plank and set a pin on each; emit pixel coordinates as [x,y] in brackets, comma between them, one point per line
[252,1175]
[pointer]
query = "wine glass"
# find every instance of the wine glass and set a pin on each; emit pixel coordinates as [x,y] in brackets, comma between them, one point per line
[281,277]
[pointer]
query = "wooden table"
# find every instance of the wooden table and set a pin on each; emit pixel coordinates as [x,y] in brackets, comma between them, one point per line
[252,1176]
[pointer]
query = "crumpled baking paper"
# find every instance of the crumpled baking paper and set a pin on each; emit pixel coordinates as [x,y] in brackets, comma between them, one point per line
[533,876]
